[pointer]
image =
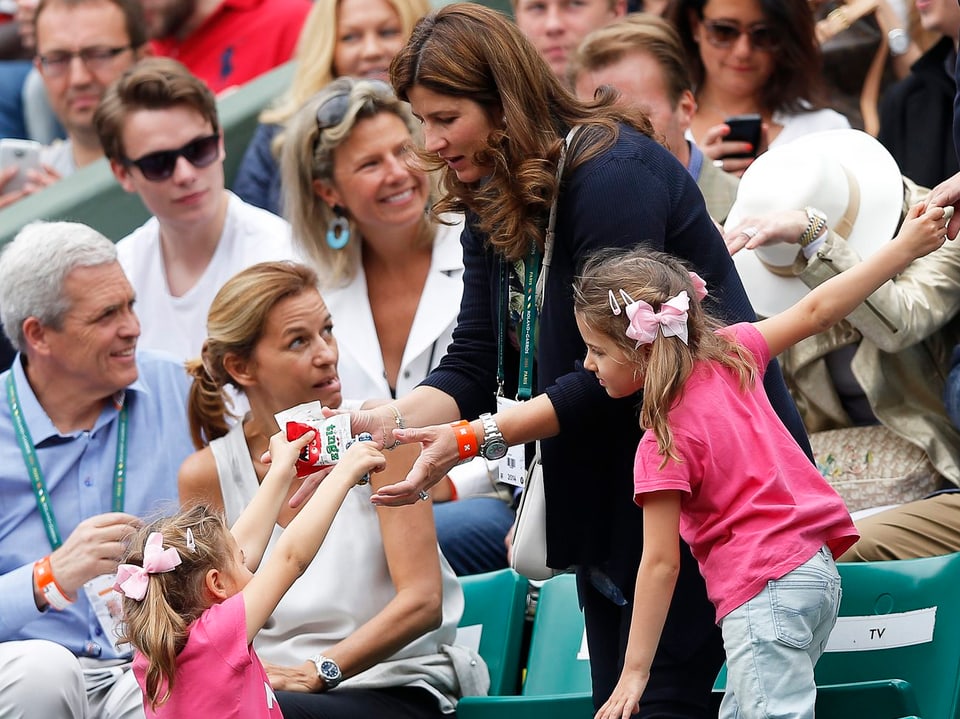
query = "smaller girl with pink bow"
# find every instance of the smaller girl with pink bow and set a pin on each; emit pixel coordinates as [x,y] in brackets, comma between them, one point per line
[717,468]
[192,604]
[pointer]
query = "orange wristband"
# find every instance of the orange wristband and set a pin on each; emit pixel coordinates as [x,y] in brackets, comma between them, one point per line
[47,584]
[467,444]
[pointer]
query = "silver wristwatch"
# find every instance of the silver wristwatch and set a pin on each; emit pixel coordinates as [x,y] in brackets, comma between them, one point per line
[493,446]
[328,670]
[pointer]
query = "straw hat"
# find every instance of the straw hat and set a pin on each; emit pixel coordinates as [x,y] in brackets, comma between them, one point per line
[846,174]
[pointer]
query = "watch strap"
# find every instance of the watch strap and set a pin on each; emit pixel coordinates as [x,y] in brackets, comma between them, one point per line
[816,222]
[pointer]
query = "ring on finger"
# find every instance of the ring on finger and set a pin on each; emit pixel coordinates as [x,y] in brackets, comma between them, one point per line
[750,232]
[424,496]
[718,164]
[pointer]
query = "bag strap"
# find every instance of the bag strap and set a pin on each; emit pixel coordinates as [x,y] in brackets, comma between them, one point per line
[552,221]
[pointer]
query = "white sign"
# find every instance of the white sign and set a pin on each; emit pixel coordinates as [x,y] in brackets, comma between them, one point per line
[883,631]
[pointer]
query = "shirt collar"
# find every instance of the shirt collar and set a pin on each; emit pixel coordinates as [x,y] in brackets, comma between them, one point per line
[39,423]
[695,165]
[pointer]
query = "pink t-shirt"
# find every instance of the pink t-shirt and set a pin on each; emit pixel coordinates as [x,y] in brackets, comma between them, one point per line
[218,673]
[754,507]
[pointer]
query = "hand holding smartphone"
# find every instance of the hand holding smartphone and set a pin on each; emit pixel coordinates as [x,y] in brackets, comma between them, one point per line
[744,128]
[22,154]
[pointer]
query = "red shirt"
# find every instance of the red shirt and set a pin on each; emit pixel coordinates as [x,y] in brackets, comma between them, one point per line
[239,41]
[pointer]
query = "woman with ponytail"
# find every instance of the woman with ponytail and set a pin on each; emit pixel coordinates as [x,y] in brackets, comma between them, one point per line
[387,631]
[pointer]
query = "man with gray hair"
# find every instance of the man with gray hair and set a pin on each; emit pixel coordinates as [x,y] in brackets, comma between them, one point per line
[92,434]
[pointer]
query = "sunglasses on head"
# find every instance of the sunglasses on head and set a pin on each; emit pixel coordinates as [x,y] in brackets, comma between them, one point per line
[724,33]
[159,166]
[333,109]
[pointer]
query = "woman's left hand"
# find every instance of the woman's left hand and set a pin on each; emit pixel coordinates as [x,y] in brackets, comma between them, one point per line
[439,454]
[752,232]
[302,678]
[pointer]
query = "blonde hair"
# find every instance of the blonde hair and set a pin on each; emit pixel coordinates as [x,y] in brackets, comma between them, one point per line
[314,56]
[158,625]
[236,322]
[655,277]
[470,51]
[309,155]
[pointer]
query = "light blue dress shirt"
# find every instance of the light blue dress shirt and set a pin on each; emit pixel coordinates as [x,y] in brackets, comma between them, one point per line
[78,470]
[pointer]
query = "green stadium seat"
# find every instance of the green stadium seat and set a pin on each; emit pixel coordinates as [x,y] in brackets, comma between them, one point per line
[496,602]
[557,684]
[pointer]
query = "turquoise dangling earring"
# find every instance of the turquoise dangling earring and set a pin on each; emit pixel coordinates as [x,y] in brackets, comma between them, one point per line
[338,235]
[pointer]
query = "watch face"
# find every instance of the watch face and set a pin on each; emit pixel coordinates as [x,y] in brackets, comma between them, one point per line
[329,670]
[495,449]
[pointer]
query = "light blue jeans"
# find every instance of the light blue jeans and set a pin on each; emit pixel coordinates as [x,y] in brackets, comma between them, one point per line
[773,641]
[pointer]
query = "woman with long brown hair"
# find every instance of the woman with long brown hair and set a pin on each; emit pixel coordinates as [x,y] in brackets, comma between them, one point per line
[495,119]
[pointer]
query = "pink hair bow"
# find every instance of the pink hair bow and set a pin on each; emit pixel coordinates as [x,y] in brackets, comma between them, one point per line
[132,579]
[671,320]
[699,286]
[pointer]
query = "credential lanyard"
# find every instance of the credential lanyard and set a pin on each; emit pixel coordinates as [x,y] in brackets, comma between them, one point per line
[36,475]
[533,283]
[528,322]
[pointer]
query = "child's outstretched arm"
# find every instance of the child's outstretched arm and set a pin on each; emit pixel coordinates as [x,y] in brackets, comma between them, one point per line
[922,232]
[302,538]
[656,580]
[254,526]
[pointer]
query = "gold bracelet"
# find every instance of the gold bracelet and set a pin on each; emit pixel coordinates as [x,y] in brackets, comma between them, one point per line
[398,419]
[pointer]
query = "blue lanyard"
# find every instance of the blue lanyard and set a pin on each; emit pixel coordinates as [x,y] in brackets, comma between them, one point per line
[36,475]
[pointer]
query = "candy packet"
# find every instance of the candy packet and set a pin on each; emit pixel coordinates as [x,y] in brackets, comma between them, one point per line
[324,450]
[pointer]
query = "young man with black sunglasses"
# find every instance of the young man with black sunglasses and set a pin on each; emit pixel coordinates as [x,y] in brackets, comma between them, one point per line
[159,128]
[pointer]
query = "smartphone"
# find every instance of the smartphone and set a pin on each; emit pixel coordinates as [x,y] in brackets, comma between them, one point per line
[744,128]
[24,154]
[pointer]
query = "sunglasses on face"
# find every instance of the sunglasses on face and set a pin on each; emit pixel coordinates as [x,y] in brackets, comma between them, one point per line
[159,166]
[332,110]
[723,34]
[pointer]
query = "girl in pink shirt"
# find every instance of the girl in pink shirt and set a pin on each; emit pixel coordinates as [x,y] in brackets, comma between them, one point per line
[192,604]
[717,468]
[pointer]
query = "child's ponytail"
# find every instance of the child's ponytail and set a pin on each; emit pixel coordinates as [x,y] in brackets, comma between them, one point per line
[171,598]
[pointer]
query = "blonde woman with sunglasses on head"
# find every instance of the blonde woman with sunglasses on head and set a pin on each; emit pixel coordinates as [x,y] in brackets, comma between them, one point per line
[391,275]
[752,57]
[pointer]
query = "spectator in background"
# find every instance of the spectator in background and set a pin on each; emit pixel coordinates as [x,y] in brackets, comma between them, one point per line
[916,114]
[642,57]
[105,427]
[356,38]
[82,46]
[752,56]
[882,369]
[556,27]
[159,128]
[226,43]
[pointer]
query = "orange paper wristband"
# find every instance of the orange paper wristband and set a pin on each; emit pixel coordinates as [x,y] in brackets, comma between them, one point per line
[467,444]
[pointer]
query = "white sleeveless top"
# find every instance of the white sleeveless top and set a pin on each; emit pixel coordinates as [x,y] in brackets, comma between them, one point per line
[347,584]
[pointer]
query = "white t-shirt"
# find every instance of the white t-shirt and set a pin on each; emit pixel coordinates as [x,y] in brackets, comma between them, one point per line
[178,325]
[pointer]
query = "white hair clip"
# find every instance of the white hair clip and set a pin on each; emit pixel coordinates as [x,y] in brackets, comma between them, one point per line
[615,305]
[191,543]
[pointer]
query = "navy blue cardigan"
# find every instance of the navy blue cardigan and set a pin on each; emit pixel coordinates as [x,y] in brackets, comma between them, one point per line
[634,192]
